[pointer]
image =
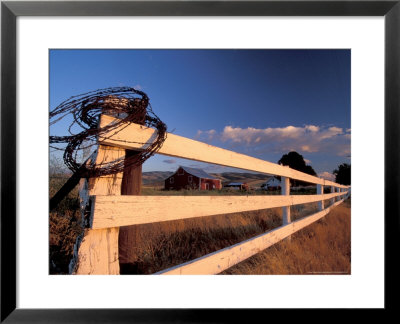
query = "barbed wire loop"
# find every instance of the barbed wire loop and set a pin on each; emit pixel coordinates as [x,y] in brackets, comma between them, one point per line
[127,104]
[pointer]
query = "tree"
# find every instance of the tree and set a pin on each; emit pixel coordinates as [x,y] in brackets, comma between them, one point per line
[296,161]
[343,174]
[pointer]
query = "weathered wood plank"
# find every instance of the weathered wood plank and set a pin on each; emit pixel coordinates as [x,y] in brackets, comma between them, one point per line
[113,211]
[285,189]
[109,184]
[320,191]
[98,252]
[332,199]
[133,136]
[221,260]
[97,249]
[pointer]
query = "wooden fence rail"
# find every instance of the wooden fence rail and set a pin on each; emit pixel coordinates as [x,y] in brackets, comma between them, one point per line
[105,210]
[115,211]
[132,136]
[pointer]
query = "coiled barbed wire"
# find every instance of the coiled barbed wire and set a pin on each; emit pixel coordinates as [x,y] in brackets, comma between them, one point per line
[127,104]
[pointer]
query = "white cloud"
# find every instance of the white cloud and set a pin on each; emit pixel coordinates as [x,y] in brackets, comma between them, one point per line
[330,132]
[308,148]
[327,176]
[169,161]
[208,135]
[252,135]
[309,138]
[312,128]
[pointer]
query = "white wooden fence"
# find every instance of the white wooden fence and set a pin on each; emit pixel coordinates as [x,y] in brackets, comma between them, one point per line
[105,209]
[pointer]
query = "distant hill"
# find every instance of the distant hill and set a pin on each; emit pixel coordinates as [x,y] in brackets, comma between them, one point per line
[252,179]
[156,178]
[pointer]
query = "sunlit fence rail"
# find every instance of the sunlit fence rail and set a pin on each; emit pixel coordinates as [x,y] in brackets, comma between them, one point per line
[105,210]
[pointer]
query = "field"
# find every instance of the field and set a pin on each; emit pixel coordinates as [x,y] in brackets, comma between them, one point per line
[323,247]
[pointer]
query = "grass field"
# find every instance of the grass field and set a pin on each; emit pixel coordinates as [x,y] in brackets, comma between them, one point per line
[320,247]
[323,247]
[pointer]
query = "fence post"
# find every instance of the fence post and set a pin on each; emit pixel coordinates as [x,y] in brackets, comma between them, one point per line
[285,190]
[332,191]
[131,185]
[320,191]
[96,250]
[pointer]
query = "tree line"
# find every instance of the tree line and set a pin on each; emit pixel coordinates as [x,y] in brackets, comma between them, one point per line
[296,161]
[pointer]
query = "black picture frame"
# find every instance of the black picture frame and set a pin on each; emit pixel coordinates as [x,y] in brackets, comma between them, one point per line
[10,10]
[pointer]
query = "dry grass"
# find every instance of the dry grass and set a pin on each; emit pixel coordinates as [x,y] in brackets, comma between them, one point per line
[64,227]
[162,245]
[321,248]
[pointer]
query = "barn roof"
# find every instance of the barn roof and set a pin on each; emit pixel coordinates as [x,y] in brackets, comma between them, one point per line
[198,173]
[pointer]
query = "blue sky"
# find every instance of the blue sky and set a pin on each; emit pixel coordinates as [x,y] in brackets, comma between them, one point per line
[262,103]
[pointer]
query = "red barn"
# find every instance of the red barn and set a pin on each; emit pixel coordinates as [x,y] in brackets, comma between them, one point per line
[191,178]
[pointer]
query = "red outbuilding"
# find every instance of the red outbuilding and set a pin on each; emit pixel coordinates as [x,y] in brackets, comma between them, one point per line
[191,178]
